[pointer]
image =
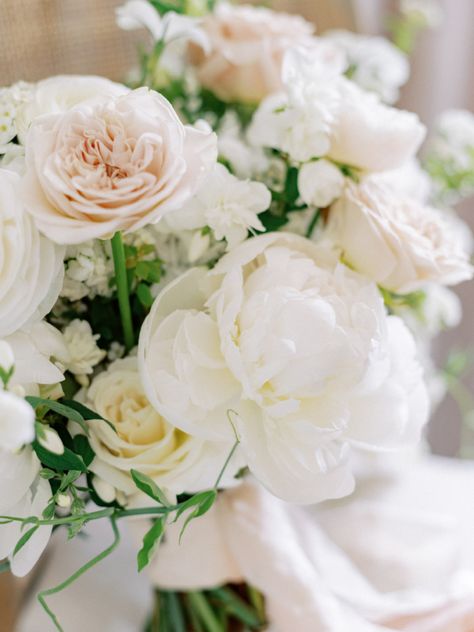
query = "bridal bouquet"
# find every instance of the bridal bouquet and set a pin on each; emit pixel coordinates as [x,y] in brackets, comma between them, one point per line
[226,273]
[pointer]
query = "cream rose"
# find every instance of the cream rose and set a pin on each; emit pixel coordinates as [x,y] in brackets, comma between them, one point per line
[145,441]
[299,348]
[247,45]
[395,241]
[61,93]
[112,164]
[31,267]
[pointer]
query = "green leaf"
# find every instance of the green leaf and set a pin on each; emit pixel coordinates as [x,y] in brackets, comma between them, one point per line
[150,542]
[50,404]
[82,447]
[201,502]
[25,538]
[60,462]
[149,487]
[87,413]
[50,510]
[47,474]
[74,529]
[144,295]
[68,479]
[149,271]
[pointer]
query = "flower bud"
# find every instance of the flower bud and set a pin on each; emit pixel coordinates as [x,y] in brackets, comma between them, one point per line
[104,490]
[63,501]
[7,359]
[51,441]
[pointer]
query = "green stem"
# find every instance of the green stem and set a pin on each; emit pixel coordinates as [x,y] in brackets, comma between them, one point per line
[123,290]
[227,461]
[204,611]
[313,222]
[63,585]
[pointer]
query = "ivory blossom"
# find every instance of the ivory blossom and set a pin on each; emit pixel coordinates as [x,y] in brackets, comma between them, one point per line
[112,163]
[293,349]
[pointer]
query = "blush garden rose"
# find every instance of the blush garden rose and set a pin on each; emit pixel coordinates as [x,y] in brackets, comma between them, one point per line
[112,164]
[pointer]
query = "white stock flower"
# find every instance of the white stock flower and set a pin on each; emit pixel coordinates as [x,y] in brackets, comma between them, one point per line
[112,163]
[144,440]
[299,121]
[245,161]
[229,206]
[59,94]
[17,421]
[395,241]
[88,270]
[299,348]
[31,268]
[81,344]
[320,183]
[11,99]
[22,494]
[375,64]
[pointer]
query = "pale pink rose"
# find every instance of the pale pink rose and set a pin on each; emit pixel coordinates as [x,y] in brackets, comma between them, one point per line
[247,45]
[112,163]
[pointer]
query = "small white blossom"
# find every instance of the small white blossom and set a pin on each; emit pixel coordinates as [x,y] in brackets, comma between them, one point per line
[63,501]
[82,347]
[320,183]
[88,270]
[10,100]
[229,206]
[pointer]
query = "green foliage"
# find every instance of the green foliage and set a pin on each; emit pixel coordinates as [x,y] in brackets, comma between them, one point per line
[199,503]
[149,487]
[150,543]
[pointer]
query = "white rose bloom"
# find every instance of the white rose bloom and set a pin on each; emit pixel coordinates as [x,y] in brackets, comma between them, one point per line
[408,180]
[229,206]
[395,241]
[299,121]
[17,422]
[320,183]
[31,267]
[375,64]
[298,347]
[40,356]
[371,135]
[61,93]
[145,441]
[22,494]
[81,343]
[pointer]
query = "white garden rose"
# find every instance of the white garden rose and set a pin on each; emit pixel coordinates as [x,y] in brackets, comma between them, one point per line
[22,494]
[144,440]
[246,46]
[31,267]
[59,94]
[296,348]
[227,205]
[320,182]
[112,164]
[17,421]
[395,241]
[370,135]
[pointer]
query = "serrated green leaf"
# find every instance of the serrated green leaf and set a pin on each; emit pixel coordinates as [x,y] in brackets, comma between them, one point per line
[150,542]
[74,529]
[24,539]
[149,487]
[60,462]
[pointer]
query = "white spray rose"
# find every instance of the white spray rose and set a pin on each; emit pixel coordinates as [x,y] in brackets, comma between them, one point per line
[227,205]
[22,494]
[370,135]
[299,347]
[145,440]
[81,344]
[395,241]
[320,183]
[31,267]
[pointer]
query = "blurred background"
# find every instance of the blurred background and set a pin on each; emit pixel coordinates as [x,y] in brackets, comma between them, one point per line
[39,38]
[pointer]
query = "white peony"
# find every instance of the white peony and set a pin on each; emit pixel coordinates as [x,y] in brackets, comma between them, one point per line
[83,351]
[227,205]
[374,63]
[22,494]
[31,267]
[395,241]
[299,348]
[145,440]
[17,421]
[320,183]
